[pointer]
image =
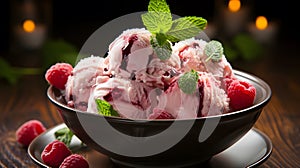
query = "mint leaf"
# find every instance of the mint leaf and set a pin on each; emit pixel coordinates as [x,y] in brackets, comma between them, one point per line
[163,52]
[161,46]
[214,50]
[186,27]
[157,22]
[188,82]
[161,39]
[64,135]
[106,109]
[158,19]
[158,6]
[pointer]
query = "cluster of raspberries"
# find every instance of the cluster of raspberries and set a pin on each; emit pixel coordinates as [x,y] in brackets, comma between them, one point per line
[55,154]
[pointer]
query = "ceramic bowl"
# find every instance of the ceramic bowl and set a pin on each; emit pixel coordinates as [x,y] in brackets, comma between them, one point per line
[144,143]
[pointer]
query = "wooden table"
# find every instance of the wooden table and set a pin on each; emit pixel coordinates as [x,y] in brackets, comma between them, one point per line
[279,120]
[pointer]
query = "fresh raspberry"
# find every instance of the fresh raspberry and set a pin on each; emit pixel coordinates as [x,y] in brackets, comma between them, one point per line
[54,153]
[28,131]
[160,114]
[74,161]
[241,94]
[57,75]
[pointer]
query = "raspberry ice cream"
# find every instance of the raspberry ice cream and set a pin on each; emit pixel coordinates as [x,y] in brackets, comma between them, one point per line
[192,56]
[131,56]
[129,98]
[139,85]
[83,77]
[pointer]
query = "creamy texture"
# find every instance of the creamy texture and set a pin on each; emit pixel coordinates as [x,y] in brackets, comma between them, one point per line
[83,77]
[191,52]
[140,86]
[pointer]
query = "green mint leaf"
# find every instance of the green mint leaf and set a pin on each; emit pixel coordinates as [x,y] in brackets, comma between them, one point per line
[214,50]
[157,22]
[64,135]
[161,39]
[188,82]
[163,52]
[158,19]
[161,46]
[185,27]
[106,109]
[158,6]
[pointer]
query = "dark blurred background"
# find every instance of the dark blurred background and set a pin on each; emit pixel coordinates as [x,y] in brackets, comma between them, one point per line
[75,21]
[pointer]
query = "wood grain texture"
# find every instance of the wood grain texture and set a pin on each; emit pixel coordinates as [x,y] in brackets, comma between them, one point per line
[284,134]
[20,103]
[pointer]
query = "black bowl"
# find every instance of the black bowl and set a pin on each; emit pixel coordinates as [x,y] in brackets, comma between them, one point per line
[171,143]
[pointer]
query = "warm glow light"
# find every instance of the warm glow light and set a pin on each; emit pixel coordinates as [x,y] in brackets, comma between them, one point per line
[28,26]
[234,5]
[261,22]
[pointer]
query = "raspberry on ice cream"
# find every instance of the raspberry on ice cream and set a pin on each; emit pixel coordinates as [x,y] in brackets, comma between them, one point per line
[241,94]
[57,75]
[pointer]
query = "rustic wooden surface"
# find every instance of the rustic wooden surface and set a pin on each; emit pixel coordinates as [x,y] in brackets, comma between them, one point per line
[279,120]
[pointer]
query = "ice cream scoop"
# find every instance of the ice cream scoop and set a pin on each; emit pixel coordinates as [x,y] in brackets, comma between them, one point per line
[81,81]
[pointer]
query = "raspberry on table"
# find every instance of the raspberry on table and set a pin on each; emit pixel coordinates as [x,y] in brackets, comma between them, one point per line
[54,153]
[28,131]
[74,161]
[241,94]
[57,75]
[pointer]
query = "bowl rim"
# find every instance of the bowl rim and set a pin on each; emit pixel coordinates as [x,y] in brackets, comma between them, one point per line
[243,74]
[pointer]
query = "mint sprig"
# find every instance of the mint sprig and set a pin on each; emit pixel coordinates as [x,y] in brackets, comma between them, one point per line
[214,50]
[188,82]
[64,135]
[106,109]
[158,20]
[185,27]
